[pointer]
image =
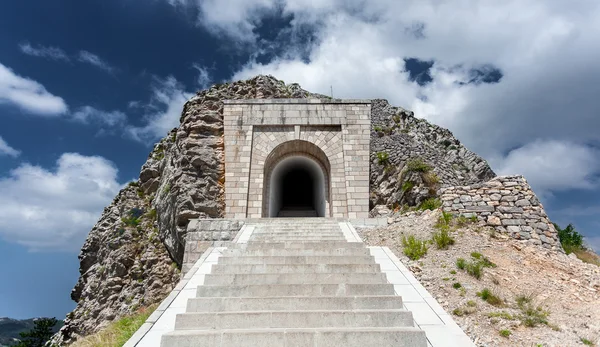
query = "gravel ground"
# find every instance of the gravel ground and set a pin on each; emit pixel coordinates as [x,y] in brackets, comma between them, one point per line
[563,286]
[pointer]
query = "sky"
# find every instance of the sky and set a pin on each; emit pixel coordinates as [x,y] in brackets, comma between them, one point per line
[87,87]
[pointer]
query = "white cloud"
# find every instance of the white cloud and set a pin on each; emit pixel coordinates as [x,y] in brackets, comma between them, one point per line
[89,114]
[164,110]
[28,94]
[546,50]
[5,149]
[234,18]
[55,209]
[552,165]
[204,79]
[49,52]
[93,59]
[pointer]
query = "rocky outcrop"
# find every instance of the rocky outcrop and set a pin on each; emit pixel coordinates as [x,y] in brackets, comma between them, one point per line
[411,158]
[123,266]
[131,256]
[506,203]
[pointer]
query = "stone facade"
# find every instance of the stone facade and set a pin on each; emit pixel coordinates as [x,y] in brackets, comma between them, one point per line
[333,133]
[506,203]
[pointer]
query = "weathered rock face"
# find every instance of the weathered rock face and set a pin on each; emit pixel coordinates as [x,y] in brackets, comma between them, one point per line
[124,265]
[411,159]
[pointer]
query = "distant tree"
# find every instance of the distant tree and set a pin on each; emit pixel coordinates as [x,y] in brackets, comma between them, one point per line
[39,335]
[569,238]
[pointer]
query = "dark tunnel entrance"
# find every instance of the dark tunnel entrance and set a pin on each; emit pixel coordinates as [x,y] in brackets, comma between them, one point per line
[297,193]
[297,188]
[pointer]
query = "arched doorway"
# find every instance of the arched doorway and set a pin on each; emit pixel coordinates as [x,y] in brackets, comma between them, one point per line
[296,181]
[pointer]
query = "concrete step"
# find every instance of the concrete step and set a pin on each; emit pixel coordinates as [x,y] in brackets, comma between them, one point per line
[319,337]
[298,238]
[293,268]
[278,290]
[295,303]
[293,319]
[301,245]
[297,260]
[350,252]
[297,233]
[293,278]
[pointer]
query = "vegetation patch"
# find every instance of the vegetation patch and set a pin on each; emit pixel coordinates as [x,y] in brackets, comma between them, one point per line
[408,185]
[490,297]
[383,158]
[414,248]
[118,332]
[133,217]
[505,333]
[442,239]
[531,315]
[417,165]
[430,204]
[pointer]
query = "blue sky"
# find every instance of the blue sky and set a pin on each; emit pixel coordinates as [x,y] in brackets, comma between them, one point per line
[86,88]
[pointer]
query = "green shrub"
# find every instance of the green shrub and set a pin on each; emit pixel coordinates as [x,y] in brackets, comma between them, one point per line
[152,214]
[453,272]
[167,188]
[456,285]
[461,263]
[474,269]
[489,297]
[533,316]
[569,238]
[408,185]
[445,143]
[414,248]
[383,158]
[430,204]
[442,239]
[505,333]
[476,255]
[417,165]
[431,179]
[502,314]
[133,184]
[587,342]
[377,128]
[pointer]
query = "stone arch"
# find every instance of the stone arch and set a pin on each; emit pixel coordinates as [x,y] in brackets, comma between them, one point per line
[292,157]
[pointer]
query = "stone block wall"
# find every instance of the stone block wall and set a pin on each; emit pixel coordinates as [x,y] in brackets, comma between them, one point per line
[506,203]
[204,233]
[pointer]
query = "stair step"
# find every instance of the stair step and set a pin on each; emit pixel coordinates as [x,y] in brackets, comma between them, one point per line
[297,260]
[293,319]
[293,268]
[295,303]
[319,337]
[295,252]
[301,245]
[292,278]
[277,290]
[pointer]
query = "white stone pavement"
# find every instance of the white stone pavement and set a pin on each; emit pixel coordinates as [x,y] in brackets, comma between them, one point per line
[440,328]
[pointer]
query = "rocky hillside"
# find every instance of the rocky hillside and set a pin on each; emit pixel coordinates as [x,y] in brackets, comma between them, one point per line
[507,292]
[131,256]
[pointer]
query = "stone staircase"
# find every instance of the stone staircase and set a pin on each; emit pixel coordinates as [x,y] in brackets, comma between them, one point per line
[296,282]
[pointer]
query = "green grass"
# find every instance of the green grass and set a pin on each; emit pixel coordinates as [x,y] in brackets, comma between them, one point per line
[417,165]
[505,333]
[456,285]
[408,185]
[502,314]
[586,341]
[453,272]
[383,158]
[490,297]
[414,248]
[118,332]
[442,239]
[531,315]
[461,263]
[430,204]
[474,269]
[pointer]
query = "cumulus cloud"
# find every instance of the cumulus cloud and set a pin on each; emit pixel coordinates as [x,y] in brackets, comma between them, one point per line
[91,115]
[95,60]
[28,94]
[163,110]
[544,52]
[5,149]
[204,78]
[553,165]
[49,52]
[55,209]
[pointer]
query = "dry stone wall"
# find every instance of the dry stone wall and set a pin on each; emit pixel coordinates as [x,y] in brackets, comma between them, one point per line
[506,203]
